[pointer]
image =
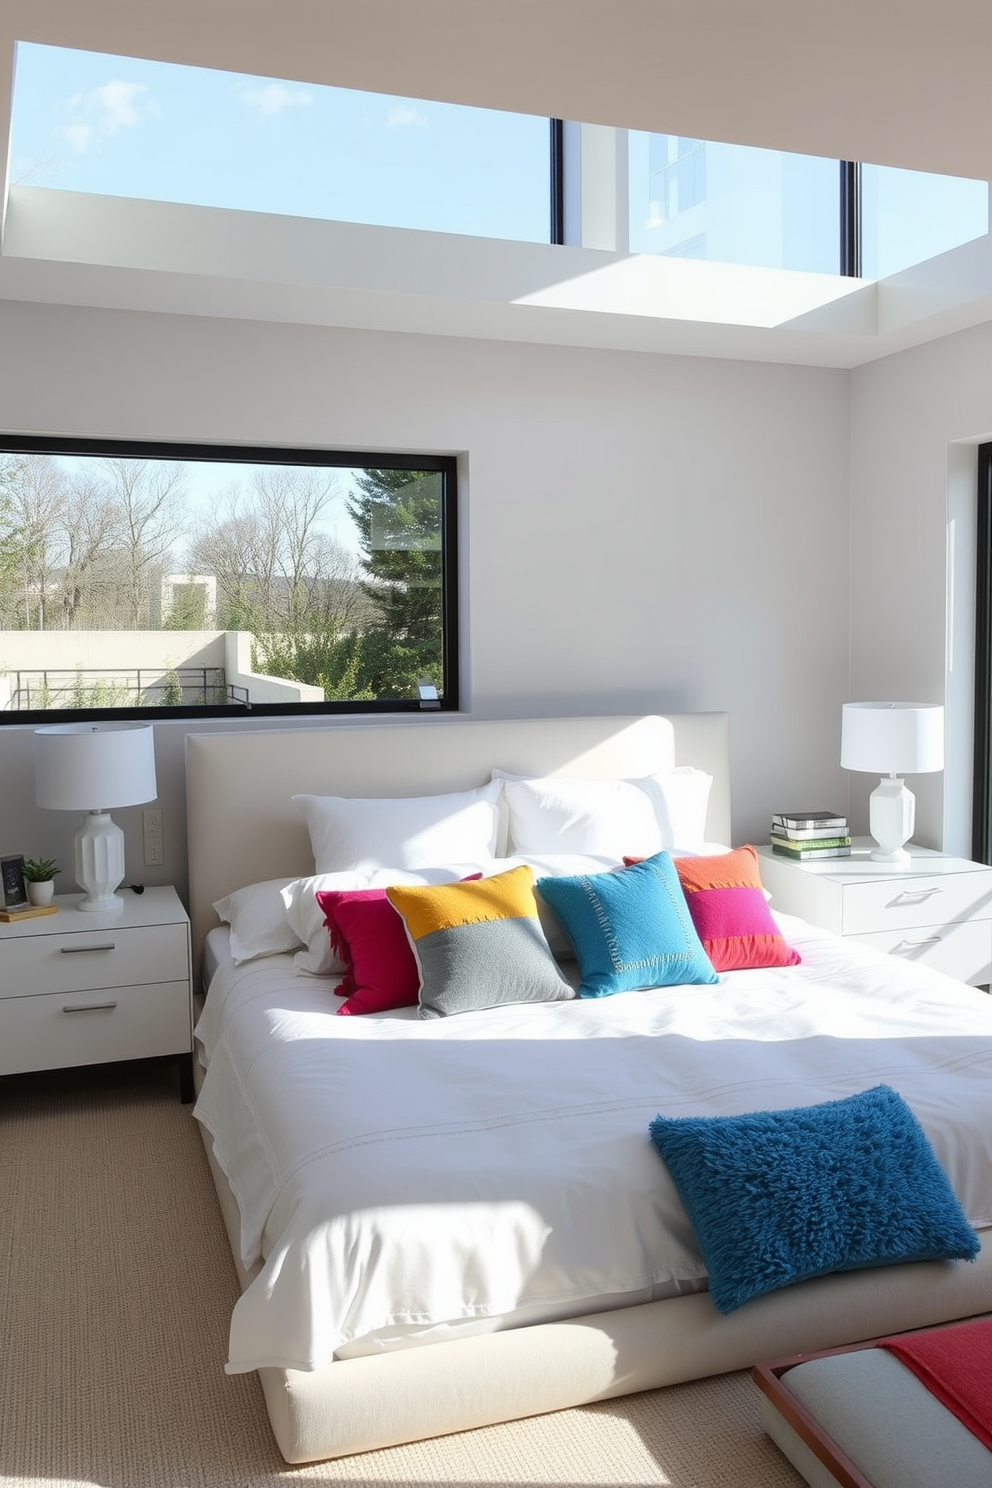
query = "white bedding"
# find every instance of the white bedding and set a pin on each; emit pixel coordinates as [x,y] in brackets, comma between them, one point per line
[399,1177]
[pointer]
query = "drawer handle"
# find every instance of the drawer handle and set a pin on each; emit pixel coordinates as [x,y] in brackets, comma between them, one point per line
[914,896]
[90,1007]
[910,945]
[80,950]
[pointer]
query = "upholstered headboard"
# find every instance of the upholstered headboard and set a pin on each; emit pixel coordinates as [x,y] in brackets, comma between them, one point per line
[243,827]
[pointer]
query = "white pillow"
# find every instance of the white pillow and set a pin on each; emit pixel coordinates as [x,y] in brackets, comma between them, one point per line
[257,917]
[607,818]
[682,797]
[306,918]
[409,832]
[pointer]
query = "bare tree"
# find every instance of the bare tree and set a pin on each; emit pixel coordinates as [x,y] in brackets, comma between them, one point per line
[275,563]
[88,590]
[291,503]
[234,546]
[147,500]
[283,577]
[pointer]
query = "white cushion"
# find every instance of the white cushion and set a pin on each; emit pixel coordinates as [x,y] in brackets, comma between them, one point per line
[408,832]
[682,797]
[257,917]
[607,818]
[306,918]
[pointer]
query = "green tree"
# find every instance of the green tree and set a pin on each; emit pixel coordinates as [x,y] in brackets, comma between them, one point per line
[10,534]
[316,657]
[171,695]
[398,517]
[188,610]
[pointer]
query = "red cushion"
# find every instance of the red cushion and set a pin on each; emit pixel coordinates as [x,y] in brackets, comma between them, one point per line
[370,937]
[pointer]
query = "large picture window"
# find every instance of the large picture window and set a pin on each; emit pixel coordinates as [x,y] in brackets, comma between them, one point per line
[178,578]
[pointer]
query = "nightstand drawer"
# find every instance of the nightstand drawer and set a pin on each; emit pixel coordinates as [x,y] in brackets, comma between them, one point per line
[56,1031]
[962,950]
[81,960]
[891,904]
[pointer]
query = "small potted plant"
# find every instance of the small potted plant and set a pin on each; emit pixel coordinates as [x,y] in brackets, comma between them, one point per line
[39,875]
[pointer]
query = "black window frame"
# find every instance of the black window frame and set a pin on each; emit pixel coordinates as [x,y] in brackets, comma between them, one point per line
[981,844]
[140,449]
[851,224]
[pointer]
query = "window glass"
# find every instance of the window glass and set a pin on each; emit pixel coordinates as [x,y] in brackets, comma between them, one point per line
[120,126]
[908,216]
[694,198]
[137,576]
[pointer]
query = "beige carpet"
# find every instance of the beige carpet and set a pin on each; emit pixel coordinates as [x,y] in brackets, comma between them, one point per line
[115,1290]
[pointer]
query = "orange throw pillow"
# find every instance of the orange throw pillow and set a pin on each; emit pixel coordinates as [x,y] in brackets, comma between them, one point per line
[729,910]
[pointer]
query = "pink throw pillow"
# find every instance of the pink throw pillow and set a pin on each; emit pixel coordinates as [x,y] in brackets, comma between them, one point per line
[729,910]
[728,907]
[370,937]
[368,934]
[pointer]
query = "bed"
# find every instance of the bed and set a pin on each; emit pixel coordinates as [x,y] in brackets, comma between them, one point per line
[556,1324]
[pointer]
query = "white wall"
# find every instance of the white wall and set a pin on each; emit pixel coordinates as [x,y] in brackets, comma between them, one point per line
[641,532]
[916,419]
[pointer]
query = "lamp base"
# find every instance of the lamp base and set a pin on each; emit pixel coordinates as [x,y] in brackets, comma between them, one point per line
[99,863]
[891,817]
[101,904]
[900,859]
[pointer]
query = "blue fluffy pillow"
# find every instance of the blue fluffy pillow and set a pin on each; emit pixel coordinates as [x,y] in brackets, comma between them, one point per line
[779,1196]
[629,928]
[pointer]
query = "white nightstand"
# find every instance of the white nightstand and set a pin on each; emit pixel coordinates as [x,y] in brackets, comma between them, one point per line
[938,910]
[84,988]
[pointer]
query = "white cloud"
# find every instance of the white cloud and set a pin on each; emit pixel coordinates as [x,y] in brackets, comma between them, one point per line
[104,112]
[274,97]
[78,136]
[405,116]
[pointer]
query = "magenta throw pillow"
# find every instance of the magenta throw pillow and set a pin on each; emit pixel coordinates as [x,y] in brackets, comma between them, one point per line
[370,937]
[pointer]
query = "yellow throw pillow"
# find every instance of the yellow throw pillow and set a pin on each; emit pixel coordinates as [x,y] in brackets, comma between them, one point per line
[479,944]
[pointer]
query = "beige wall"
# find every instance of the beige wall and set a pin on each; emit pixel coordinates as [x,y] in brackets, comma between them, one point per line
[153,652]
[639,532]
[916,419]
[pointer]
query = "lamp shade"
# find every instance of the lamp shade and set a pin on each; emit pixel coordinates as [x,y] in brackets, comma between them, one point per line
[892,738]
[94,767]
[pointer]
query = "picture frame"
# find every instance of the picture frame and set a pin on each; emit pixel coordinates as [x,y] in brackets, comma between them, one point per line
[15,894]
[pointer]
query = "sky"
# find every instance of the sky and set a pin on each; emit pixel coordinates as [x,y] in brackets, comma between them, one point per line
[206,483]
[84,121]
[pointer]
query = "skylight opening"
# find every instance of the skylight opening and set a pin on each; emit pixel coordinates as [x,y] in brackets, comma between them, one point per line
[732,204]
[122,126]
[909,216]
[96,124]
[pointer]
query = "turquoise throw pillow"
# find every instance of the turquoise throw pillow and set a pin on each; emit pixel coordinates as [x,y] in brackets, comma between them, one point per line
[629,928]
[776,1197]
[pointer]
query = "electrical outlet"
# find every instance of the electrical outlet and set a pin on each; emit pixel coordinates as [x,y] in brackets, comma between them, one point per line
[154,844]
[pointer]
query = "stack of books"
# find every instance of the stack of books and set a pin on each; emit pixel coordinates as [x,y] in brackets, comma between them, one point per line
[810,834]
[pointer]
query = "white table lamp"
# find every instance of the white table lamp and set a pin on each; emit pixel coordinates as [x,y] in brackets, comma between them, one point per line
[892,740]
[91,768]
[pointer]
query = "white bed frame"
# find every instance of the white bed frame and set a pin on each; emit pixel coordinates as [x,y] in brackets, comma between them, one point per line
[243,829]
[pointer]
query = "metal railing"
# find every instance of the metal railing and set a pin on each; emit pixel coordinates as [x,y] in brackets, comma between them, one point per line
[122,687]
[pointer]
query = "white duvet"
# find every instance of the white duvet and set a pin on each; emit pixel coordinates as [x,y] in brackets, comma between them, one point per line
[399,1178]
